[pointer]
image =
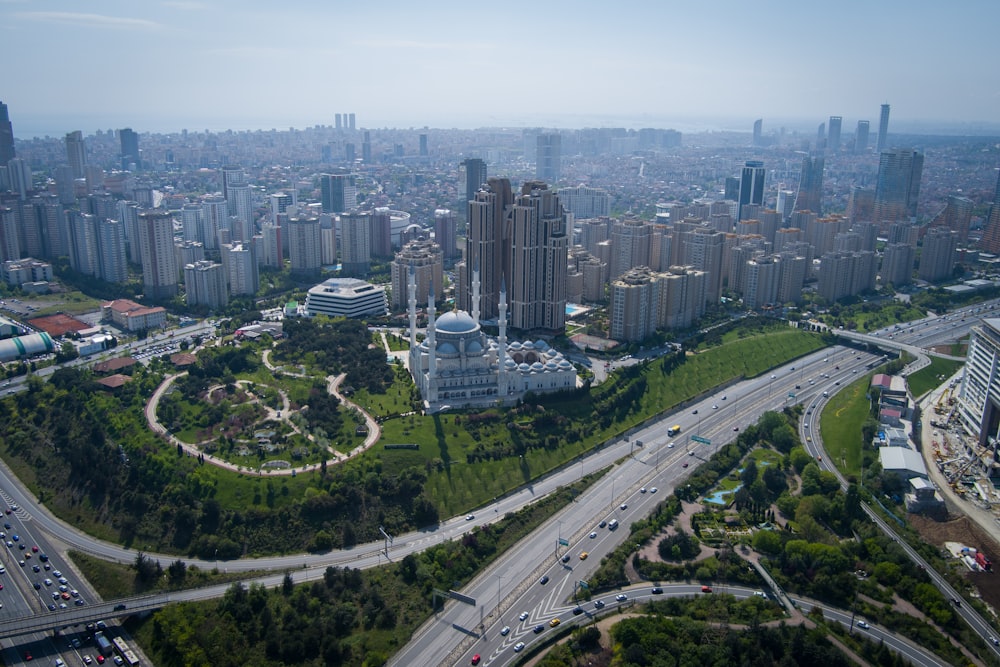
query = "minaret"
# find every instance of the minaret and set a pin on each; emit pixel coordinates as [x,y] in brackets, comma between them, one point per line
[431,350]
[412,285]
[502,342]
[475,292]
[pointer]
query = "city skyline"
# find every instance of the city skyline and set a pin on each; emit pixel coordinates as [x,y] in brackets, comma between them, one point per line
[218,65]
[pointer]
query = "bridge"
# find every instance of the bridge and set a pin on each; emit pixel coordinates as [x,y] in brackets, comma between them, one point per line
[91,613]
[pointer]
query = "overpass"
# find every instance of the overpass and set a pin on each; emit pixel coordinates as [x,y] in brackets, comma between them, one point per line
[91,613]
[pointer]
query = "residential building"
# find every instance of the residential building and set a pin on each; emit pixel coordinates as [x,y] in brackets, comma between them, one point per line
[338,192]
[305,245]
[938,255]
[205,284]
[355,246]
[548,157]
[156,248]
[425,259]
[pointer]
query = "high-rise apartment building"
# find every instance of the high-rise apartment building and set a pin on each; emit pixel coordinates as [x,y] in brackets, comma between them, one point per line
[487,246]
[939,254]
[883,129]
[205,285]
[761,287]
[240,201]
[898,187]
[548,157]
[475,177]
[83,243]
[861,137]
[957,216]
[7,152]
[446,235]
[76,153]
[751,185]
[584,202]
[112,260]
[240,264]
[159,261]
[193,222]
[215,217]
[843,274]
[425,259]
[897,264]
[338,192]
[810,195]
[270,247]
[979,393]
[634,305]
[129,140]
[833,133]
[355,243]
[631,240]
[703,252]
[19,175]
[538,251]
[304,245]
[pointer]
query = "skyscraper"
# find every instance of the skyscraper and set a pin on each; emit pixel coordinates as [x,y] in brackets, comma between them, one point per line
[355,246]
[751,186]
[810,196]
[898,187]
[938,256]
[305,249]
[130,148]
[445,235]
[338,192]
[475,177]
[833,136]
[486,246]
[883,129]
[758,126]
[6,136]
[76,153]
[538,252]
[861,137]
[159,261]
[548,158]
[423,144]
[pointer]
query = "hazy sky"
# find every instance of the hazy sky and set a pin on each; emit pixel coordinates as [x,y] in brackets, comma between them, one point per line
[164,65]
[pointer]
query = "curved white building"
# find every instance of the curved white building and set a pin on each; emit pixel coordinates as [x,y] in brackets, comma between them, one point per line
[23,347]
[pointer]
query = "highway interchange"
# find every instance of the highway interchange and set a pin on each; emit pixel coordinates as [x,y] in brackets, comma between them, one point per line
[510,586]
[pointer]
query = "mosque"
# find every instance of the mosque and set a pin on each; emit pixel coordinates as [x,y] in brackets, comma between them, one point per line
[459,366]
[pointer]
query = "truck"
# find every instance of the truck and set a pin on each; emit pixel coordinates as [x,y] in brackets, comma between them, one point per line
[103,644]
[674,430]
[984,563]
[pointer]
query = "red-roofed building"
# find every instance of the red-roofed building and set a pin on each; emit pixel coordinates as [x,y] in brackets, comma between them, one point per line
[133,316]
[114,365]
[114,381]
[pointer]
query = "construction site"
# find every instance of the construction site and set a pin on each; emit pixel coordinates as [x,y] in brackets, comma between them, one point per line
[968,467]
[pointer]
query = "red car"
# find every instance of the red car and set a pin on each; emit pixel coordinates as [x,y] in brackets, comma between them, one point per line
[706,589]
[27,656]
[100,659]
[475,659]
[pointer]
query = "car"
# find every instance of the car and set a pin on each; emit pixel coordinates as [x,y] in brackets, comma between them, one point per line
[602,524]
[118,660]
[554,622]
[55,595]
[87,660]
[583,555]
[956,602]
[21,546]
[10,545]
[518,647]
[623,506]
[35,548]
[642,490]
[79,602]
[863,625]
[76,642]
[806,425]
[100,659]
[7,526]
[16,538]
[565,558]
[27,654]
[64,595]
[621,597]
[670,446]
[476,658]
[577,611]
[715,406]
[42,557]
[37,586]
[694,412]
[599,604]
[63,588]
[685,465]
[723,397]
[544,580]
[35,568]
[593,535]
[21,562]
[63,581]
[736,428]
[691,453]
[75,593]
[52,607]
[120,607]
[538,629]
[994,641]
[470,517]
[3,570]
[523,616]
[773,376]
[706,589]
[505,631]
[760,594]
[59,663]
[57,573]
[657,590]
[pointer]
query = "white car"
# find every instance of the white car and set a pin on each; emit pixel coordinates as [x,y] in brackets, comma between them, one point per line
[593,535]
[652,489]
[518,647]
[523,616]
[670,446]
[863,625]
[470,517]
[505,631]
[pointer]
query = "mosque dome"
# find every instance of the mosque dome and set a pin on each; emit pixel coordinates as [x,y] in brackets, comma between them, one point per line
[455,321]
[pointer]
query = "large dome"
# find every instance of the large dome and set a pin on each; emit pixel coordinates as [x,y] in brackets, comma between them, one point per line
[455,321]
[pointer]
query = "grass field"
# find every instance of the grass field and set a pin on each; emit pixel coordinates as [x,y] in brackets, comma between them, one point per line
[930,377]
[841,425]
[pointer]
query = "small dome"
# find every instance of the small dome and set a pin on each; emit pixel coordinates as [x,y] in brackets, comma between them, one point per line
[541,345]
[528,345]
[514,346]
[524,368]
[537,366]
[510,363]
[473,347]
[455,321]
[446,348]
[565,364]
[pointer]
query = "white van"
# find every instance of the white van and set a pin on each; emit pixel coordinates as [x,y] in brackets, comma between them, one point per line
[613,524]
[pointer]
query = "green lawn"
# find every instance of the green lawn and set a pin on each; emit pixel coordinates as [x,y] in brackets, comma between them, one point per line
[841,425]
[930,377]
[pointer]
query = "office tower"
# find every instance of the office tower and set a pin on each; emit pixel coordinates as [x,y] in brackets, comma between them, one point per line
[939,255]
[338,192]
[130,148]
[6,136]
[785,203]
[215,218]
[112,263]
[19,175]
[10,232]
[270,247]
[76,153]
[991,229]
[538,251]
[833,134]
[338,121]
[349,153]
[897,264]
[821,137]
[861,137]
[350,121]
[423,145]
[584,202]
[758,126]
[355,243]
[159,261]
[810,196]
[630,244]
[861,204]
[205,285]
[548,157]
[486,247]
[475,177]
[240,264]
[957,216]
[751,185]
[446,234]
[883,129]
[730,192]
[425,260]
[304,245]
[703,252]
[366,148]
[898,187]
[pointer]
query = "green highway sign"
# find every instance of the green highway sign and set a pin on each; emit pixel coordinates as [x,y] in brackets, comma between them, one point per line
[563,542]
[704,441]
[791,395]
[584,584]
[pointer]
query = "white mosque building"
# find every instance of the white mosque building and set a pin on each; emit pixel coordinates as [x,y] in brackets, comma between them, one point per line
[458,366]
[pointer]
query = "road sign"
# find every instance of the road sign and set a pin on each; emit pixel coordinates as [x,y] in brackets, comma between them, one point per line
[791,394]
[704,441]
[584,585]
[455,595]
[563,542]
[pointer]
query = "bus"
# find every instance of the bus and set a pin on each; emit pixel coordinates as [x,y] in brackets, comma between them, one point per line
[125,652]
[674,430]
